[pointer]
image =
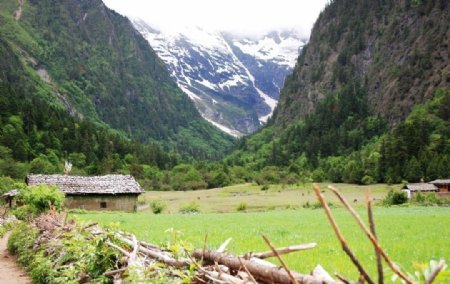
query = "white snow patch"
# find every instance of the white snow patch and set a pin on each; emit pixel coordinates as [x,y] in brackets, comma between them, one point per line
[285,52]
[207,84]
[189,93]
[225,129]
[232,82]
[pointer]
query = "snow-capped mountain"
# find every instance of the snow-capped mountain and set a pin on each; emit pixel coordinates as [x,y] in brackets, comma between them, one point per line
[234,80]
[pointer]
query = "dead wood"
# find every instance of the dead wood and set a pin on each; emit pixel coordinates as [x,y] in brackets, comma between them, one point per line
[260,272]
[158,255]
[248,272]
[280,251]
[112,273]
[374,241]
[373,231]
[439,267]
[293,280]
[340,237]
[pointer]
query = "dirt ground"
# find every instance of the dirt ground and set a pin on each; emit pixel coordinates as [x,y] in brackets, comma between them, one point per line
[10,271]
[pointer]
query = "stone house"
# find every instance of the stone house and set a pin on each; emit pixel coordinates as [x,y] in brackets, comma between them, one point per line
[414,188]
[104,193]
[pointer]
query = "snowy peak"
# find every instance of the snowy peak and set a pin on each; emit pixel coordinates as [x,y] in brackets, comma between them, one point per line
[282,48]
[234,81]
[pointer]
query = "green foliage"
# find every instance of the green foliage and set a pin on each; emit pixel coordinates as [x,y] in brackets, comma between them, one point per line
[40,198]
[21,242]
[242,206]
[98,84]
[429,199]
[418,148]
[7,184]
[190,208]
[64,259]
[157,206]
[265,187]
[395,197]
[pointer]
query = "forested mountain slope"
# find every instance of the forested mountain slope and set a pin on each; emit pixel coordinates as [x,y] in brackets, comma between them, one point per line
[368,100]
[89,60]
[399,50]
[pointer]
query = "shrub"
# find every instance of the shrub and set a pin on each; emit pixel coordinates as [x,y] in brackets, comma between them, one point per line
[157,206]
[41,197]
[367,180]
[318,205]
[427,199]
[265,187]
[63,259]
[395,197]
[25,212]
[318,175]
[38,199]
[190,208]
[242,206]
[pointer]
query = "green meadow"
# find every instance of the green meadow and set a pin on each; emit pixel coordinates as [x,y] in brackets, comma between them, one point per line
[412,236]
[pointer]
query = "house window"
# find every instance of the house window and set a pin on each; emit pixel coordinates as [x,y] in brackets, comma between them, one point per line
[103,204]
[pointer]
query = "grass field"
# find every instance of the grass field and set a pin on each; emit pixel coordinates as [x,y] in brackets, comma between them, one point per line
[411,235]
[227,199]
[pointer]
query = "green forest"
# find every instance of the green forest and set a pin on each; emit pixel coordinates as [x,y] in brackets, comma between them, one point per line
[111,107]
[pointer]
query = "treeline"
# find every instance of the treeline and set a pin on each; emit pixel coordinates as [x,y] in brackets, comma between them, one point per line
[36,137]
[343,142]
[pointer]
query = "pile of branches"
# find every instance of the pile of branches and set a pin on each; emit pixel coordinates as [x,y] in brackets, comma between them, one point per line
[140,261]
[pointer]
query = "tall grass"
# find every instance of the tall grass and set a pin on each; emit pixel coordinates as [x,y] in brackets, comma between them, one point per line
[410,235]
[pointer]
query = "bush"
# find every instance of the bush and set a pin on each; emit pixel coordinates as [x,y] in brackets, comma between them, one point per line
[41,197]
[25,212]
[395,197]
[190,208]
[427,199]
[318,175]
[157,206]
[38,199]
[242,206]
[265,187]
[367,180]
[62,259]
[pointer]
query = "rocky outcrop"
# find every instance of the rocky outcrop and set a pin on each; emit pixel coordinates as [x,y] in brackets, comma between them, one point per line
[398,49]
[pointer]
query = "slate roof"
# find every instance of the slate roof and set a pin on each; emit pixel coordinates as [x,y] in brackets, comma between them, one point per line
[440,181]
[89,185]
[421,187]
[11,193]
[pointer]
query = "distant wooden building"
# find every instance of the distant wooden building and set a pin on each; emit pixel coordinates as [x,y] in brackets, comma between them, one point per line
[109,192]
[414,188]
[9,197]
[443,186]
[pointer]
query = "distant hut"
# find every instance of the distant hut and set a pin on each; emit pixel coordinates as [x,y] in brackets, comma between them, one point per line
[443,186]
[109,192]
[414,188]
[9,196]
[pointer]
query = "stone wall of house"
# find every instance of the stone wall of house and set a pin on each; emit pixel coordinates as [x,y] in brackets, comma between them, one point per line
[123,202]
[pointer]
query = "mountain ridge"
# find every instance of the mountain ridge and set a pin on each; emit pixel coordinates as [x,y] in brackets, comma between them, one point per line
[234,80]
[348,43]
[100,68]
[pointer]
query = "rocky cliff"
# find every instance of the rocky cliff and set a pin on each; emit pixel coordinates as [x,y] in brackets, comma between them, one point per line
[399,50]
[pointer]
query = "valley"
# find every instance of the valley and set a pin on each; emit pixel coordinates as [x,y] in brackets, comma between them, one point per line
[234,80]
[213,133]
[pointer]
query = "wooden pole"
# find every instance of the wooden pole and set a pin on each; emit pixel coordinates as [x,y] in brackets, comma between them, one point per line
[340,237]
[374,241]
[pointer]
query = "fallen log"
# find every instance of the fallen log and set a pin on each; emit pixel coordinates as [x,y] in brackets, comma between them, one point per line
[157,254]
[259,272]
[281,251]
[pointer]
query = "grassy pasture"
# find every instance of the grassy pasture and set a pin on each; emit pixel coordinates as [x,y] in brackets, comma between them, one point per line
[227,199]
[411,235]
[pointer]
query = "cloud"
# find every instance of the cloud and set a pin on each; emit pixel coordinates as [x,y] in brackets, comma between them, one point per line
[243,16]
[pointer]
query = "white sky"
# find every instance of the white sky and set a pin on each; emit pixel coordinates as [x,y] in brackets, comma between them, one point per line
[243,16]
